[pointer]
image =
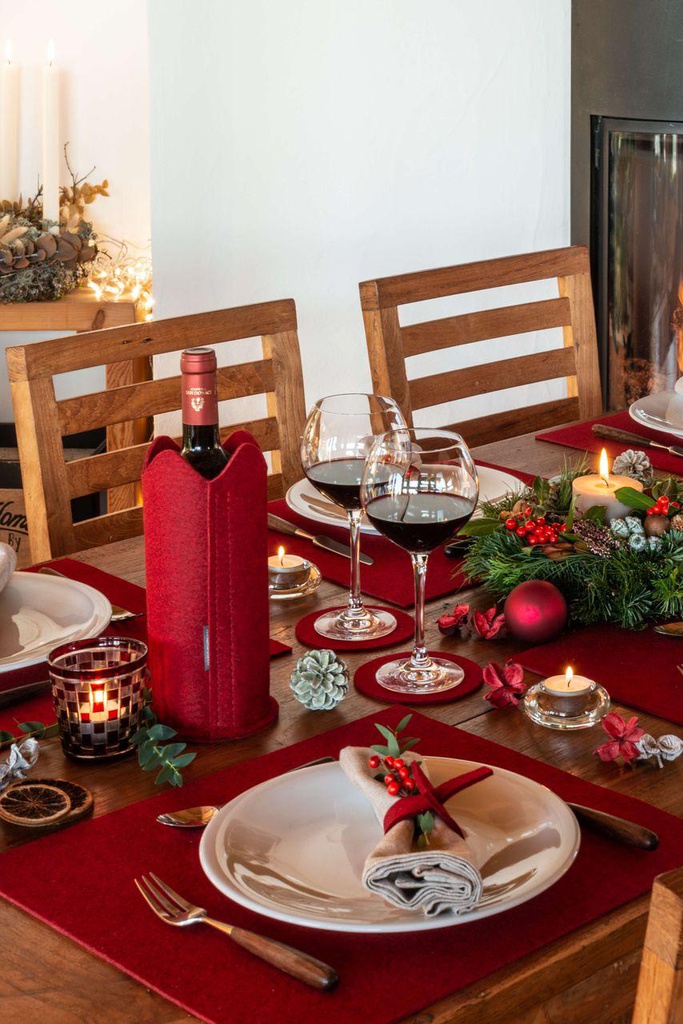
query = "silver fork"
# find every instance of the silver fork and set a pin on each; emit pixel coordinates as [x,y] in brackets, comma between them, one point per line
[173,909]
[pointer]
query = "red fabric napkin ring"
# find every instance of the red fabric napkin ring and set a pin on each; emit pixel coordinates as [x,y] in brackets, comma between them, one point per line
[431,798]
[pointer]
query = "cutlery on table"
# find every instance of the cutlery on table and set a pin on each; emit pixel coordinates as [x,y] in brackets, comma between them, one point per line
[326,506]
[670,629]
[174,910]
[321,541]
[118,614]
[609,825]
[614,434]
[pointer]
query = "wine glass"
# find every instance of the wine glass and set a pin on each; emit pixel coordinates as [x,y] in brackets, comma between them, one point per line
[338,436]
[419,488]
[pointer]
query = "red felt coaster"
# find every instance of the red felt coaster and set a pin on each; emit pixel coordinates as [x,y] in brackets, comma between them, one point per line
[306,632]
[636,668]
[65,878]
[581,436]
[365,681]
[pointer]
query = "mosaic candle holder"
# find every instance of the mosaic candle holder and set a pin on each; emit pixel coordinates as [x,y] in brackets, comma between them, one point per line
[98,692]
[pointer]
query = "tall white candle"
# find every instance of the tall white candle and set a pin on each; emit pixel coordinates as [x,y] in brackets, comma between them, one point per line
[9,126]
[51,136]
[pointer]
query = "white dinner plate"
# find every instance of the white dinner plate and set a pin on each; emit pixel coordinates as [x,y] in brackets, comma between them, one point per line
[39,612]
[293,848]
[493,484]
[662,412]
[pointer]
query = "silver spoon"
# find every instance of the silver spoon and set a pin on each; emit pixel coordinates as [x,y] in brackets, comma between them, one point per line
[199,817]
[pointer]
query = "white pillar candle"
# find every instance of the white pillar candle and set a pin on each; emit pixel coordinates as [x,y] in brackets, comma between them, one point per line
[599,489]
[51,137]
[9,127]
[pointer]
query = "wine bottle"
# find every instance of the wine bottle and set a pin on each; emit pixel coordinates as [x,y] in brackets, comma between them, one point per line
[201,439]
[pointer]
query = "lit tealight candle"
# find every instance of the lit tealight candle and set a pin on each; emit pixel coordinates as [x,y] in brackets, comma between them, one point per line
[287,571]
[600,489]
[568,685]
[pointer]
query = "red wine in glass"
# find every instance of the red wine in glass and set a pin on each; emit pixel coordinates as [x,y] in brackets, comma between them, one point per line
[339,480]
[419,522]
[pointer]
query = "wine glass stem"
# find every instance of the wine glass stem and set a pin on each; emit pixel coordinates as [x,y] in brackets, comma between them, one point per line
[355,605]
[420,658]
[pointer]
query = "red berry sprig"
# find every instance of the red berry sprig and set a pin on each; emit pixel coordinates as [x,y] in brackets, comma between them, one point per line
[396,775]
[662,506]
[534,531]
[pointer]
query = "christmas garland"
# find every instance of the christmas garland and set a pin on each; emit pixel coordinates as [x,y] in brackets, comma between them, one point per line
[628,571]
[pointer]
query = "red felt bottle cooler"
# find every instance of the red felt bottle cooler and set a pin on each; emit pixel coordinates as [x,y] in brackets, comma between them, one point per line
[207,592]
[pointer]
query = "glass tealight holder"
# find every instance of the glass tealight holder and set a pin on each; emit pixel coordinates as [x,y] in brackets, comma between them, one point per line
[566,702]
[98,693]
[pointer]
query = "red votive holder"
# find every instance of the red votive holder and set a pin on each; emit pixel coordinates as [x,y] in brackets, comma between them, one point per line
[98,693]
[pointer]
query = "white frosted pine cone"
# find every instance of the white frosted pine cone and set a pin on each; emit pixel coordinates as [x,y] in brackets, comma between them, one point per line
[634,464]
[319,681]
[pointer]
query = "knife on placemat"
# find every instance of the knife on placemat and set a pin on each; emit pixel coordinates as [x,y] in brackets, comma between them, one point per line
[614,434]
[321,541]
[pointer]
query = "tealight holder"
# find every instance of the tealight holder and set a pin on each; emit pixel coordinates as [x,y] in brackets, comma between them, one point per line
[566,702]
[98,693]
[290,576]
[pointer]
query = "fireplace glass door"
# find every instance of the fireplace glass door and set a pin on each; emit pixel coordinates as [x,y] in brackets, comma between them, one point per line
[638,255]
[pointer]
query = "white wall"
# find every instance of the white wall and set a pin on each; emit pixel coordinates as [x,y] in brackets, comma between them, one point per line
[101,48]
[301,146]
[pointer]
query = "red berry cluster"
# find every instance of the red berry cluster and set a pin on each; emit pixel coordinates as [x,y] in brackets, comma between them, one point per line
[398,778]
[661,506]
[534,531]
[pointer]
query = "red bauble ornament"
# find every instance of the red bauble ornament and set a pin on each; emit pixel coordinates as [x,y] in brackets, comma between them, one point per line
[535,611]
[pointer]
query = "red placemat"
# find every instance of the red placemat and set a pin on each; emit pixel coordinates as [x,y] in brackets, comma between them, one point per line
[365,682]
[581,436]
[636,668]
[306,632]
[81,882]
[127,595]
[390,578]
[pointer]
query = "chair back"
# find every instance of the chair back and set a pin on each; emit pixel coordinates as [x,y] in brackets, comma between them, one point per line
[659,997]
[50,483]
[390,344]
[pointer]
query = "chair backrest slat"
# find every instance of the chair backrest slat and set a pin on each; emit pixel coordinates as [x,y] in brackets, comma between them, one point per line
[390,343]
[50,483]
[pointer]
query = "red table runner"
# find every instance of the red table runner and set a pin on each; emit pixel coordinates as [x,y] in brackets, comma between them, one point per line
[581,436]
[81,882]
[391,577]
[636,668]
[127,595]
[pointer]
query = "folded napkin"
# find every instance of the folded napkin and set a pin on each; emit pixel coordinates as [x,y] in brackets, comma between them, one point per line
[442,877]
[8,563]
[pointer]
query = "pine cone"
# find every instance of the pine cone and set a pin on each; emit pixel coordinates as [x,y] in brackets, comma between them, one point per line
[319,681]
[634,464]
[677,521]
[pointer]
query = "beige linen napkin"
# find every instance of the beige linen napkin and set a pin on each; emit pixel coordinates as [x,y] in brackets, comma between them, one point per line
[437,879]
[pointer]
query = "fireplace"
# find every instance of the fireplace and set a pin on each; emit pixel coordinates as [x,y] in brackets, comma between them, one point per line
[637,251]
[627,185]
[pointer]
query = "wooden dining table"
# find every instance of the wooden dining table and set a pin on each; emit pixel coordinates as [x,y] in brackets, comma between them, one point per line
[588,977]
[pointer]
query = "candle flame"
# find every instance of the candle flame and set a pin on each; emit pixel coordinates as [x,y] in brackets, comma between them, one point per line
[51,52]
[8,51]
[281,555]
[604,467]
[98,696]
[569,675]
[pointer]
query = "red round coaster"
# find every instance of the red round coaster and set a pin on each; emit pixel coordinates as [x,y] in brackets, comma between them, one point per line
[306,632]
[365,681]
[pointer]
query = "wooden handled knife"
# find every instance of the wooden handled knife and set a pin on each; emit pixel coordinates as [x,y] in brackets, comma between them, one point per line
[614,434]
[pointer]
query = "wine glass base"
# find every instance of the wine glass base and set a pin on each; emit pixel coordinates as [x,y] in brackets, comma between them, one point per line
[401,676]
[372,625]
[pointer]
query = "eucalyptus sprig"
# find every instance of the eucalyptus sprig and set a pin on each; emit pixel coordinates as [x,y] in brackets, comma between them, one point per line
[35,730]
[154,752]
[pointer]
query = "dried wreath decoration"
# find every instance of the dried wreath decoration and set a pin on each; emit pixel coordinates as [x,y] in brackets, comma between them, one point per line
[41,260]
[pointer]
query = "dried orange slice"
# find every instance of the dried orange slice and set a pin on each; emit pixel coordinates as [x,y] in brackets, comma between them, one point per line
[82,800]
[33,805]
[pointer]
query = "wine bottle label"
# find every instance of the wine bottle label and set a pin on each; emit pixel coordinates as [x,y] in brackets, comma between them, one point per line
[200,403]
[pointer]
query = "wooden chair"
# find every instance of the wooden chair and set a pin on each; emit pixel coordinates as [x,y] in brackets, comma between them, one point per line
[50,483]
[659,997]
[390,344]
